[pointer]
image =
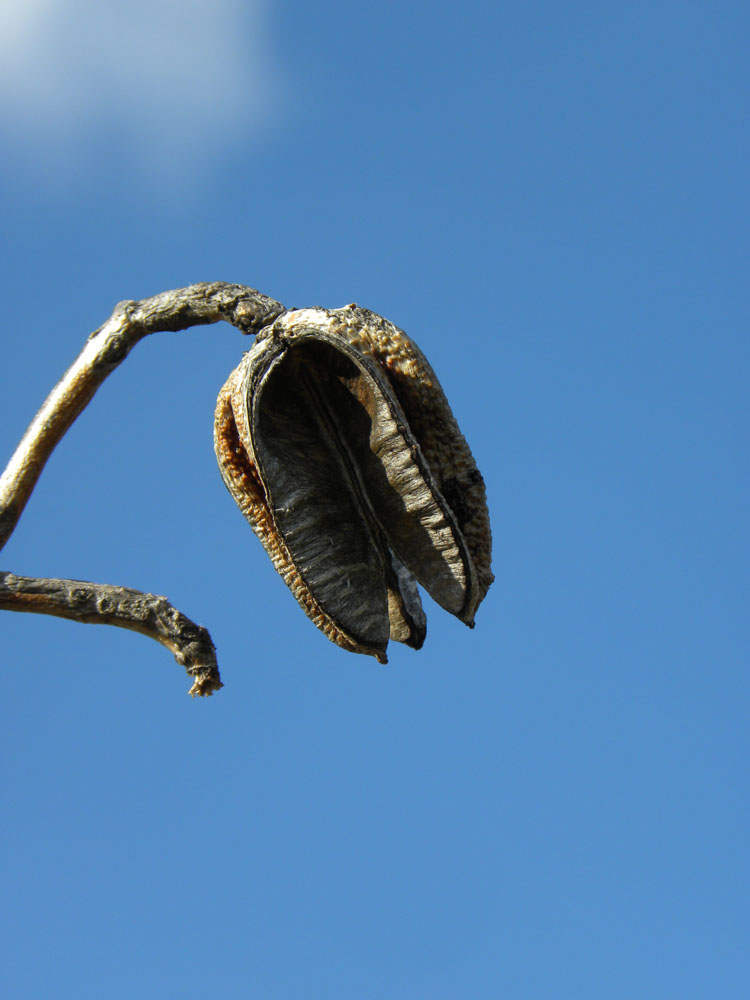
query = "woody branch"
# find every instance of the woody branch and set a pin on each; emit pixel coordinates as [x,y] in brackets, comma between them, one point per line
[105,349]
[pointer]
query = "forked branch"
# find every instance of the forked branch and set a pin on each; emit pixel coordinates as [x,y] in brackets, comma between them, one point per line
[104,350]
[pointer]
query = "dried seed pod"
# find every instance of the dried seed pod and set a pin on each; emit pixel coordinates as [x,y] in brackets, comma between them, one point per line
[336,440]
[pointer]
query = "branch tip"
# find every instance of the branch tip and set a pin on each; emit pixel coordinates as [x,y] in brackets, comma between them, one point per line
[131,320]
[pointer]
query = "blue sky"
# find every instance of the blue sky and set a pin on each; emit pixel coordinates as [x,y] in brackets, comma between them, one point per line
[552,200]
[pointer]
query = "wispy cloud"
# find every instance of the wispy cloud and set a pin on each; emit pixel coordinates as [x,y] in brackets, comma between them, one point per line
[158,79]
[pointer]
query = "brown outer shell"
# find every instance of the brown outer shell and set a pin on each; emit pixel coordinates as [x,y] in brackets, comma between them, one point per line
[242,481]
[428,416]
[427,411]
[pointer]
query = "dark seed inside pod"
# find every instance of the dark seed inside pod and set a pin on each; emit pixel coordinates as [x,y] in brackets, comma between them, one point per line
[351,495]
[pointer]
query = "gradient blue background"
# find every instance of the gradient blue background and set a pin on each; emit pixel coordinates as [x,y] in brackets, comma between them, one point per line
[552,200]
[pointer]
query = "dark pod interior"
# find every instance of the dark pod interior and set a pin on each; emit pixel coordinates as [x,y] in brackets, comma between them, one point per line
[351,494]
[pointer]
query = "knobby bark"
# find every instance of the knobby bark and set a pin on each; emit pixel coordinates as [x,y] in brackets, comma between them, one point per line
[102,604]
[243,307]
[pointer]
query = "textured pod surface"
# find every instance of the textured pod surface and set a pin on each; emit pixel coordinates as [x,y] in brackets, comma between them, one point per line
[336,440]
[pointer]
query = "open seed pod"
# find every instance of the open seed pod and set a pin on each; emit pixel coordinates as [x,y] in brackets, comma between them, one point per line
[336,440]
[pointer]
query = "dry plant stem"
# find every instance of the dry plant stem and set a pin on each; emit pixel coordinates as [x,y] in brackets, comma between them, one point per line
[195,305]
[101,604]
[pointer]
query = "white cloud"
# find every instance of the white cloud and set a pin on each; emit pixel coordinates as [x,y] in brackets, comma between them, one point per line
[153,79]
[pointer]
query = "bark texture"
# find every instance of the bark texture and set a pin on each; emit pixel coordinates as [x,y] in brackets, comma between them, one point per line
[104,350]
[131,321]
[102,604]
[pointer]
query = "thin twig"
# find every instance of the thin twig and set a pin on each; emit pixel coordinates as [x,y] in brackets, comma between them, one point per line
[104,350]
[102,604]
